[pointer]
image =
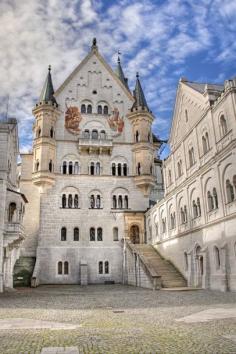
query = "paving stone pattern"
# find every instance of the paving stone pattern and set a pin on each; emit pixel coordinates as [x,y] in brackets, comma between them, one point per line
[116,319]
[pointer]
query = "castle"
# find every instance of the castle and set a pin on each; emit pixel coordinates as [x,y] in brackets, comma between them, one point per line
[89,188]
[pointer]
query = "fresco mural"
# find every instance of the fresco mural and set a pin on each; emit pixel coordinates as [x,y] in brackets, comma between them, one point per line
[72,119]
[116,123]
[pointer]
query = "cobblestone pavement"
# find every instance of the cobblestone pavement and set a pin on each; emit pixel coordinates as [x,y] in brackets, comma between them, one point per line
[117,319]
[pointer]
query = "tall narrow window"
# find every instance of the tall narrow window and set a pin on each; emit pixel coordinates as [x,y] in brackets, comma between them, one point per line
[229,191]
[199,207]
[98,168]
[126,202]
[139,168]
[119,169]
[98,202]
[120,202]
[100,267]
[185,214]
[106,267]
[70,201]
[12,212]
[66,268]
[137,136]
[113,169]
[59,268]
[76,168]
[76,234]
[114,202]
[217,257]
[115,234]
[50,166]
[223,125]
[63,201]
[70,168]
[215,198]
[210,201]
[83,108]
[105,110]
[37,166]
[94,134]
[191,157]
[64,168]
[99,234]
[92,201]
[99,109]
[89,109]
[195,210]
[86,134]
[63,234]
[103,135]
[92,168]
[51,132]
[125,169]
[92,234]
[39,132]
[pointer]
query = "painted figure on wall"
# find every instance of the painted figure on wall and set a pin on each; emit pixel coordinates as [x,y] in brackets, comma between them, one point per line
[72,119]
[116,123]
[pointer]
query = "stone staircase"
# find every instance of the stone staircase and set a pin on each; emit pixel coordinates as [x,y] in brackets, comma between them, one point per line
[170,276]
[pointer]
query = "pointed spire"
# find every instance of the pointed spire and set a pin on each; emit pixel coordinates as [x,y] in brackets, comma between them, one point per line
[120,73]
[140,100]
[48,91]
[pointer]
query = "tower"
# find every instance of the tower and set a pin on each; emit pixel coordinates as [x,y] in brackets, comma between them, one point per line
[44,146]
[141,119]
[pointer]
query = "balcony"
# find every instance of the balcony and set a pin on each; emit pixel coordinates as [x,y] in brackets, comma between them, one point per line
[99,144]
[14,234]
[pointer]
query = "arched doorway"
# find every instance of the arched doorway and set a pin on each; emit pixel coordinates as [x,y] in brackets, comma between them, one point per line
[134,234]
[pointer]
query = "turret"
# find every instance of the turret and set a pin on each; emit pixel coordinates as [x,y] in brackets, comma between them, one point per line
[141,119]
[44,147]
[120,74]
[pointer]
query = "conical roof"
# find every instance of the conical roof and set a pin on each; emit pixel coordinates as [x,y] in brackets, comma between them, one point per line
[140,100]
[47,94]
[120,74]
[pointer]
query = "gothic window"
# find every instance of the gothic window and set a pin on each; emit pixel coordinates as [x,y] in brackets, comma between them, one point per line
[83,108]
[223,125]
[119,169]
[217,257]
[139,168]
[92,201]
[70,168]
[113,169]
[12,212]
[126,202]
[64,168]
[99,234]
[70,201]
[229,191]
[105,110]
[99,109]
[86,134]
[66,268]
[98,202]
[115,234]
[199,207]
[63,202]
[125,169]
[89,109]
[51,132]
[205,143]
[63,234]
[137,136]
[120,202]
[59,268]
[98,168]
[76,201]
[106,267]
[210,201]
[215,198]
[100,267]
[50,166]
[76,234]
[92,169]
[103,134]
[92,234]
[114,202]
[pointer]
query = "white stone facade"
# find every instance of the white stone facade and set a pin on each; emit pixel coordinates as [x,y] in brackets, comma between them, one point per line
[194,224]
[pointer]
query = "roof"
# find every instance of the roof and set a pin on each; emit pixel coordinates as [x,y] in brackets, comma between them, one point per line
[47,94]
[120,74]
[202,87]
[21,194]
[140,100]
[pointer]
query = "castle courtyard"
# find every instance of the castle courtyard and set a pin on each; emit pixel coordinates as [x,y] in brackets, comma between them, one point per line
[116,319]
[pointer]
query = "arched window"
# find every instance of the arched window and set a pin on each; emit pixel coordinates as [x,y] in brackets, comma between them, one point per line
[223,126]
[86,134]
[229,191]
[114,202]
[12,212]
[119,169]
[92,170]
[100,267]
[210,201]
[70,201]
[195,210]
[76,201]
[98,168]
[59,268]
[92,201]
[37,166]
[51,132]
[137,136]
[179,167]
[99,234]
[126,202]
[83,108]
[120,202]
[89,109]
[98,202]
[76,234]
[215,198]
[63,201]
[76,168]
[103,135]
[66,268]
[105,110]
[94,134]
[204,146]
[92,234]
[139,168]
[185,261]
[99,109]
[125,169]
[217,257]
[50,166]
[64,167]
[182,217]
[106,267]
[191,157]
[63,234]
[70,168]
[113,169]
[115,234]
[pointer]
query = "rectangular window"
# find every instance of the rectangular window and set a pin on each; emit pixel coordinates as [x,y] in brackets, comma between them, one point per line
[100,267]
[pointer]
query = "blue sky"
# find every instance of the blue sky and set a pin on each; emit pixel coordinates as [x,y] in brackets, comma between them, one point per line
[163,40]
